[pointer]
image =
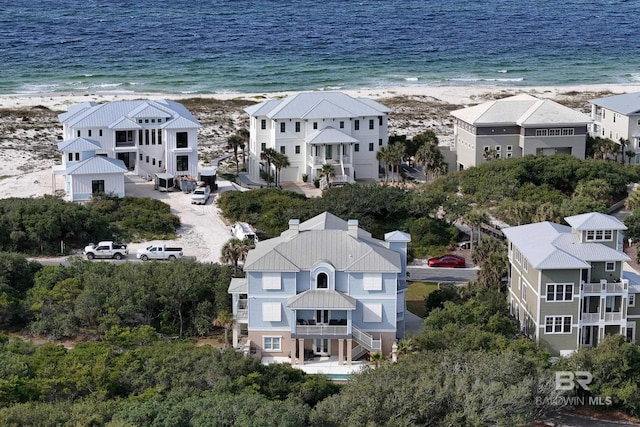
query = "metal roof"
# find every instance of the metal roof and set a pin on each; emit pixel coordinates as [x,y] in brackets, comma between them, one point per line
[570,243]
[521,110]
[321,299]
[330,135]
[595,221]
[626,103]
[78,144]
[98,165]
[238,285]
[313,105]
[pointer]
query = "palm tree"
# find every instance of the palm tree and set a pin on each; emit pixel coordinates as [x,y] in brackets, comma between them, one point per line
[396,154]
[630,154]
[376,359]
[326,172]
[234,142]
[475,219]
[243,133]
[432,160]
[234,251]
[224,320]
[406,346]
[268,155]
[382,155]
[621,149]
[280,161]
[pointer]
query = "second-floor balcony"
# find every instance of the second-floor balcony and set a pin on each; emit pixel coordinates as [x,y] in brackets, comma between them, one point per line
[125,144]
[242,310]
[334,160]
[323,330]
[614,316]
[605,287]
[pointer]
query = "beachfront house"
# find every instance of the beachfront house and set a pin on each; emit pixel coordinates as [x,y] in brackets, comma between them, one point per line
[324,287]
[568,285]
[317,128]
[515,127]
[148,136]
[85,173]
[618,117]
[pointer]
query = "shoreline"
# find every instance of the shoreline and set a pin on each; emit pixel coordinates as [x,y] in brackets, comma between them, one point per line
[457,95]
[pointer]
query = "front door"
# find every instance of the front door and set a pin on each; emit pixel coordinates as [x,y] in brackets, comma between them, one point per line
[321,346]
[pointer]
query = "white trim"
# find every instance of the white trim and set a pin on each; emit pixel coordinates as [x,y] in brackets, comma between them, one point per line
[606,266]
[562,324]
[630,303]
[271,281]
[555,292]
[271,337]
[372,312]
[271,311]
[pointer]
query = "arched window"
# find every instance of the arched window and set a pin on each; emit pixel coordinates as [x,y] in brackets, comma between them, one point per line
[322,281]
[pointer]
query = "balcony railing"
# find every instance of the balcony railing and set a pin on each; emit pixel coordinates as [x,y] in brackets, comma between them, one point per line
[615,316]
[321,330]
[590,317]
[606,287]
[320,160]
[125,144]
[242,311]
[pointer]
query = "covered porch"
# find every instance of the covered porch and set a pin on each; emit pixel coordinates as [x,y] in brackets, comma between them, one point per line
[331,147]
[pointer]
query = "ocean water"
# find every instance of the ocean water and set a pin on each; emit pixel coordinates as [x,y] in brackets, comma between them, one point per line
[185,46]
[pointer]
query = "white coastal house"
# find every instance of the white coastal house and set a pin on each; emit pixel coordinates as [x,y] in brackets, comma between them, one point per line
[148,136]
[515,127]
[617,117]
[317,128]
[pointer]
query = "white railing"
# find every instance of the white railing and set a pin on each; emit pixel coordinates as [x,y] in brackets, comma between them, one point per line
[357,351]
[595,317]
[321,160]
[340,179]
[606,287]
[612,317]
[321,330]
[366,340]
[242,311]
[590,317]
[242,314]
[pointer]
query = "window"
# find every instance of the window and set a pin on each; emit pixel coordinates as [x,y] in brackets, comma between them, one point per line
[283,127]
[263,146]
[159,137]
[124,136]
[557,324]
[100,132]
[182,163]
[599,235]
[509,155]
[341,125]
[371,124]
[159,163]
[380,120]
[263,124]
[559,291]
[271,281]
[567,131]
[78,134]
[146,120]
[509,148]
[71,157]
[380,142]
[372,282]
[297,126]
[629,334]
[525,264]
[271,312]
[371,312]
[97,186]
[182,140]
[371,146]
[632,300]
[356,147]
[153,120]
[524,293]
[609,266]
[89,132]
[315,125]
[146,137]
[271,344]
[497,155]
[77,155]
[541,132]
[356,125]
[147,159]
[139,120]
[486,148]
[283,149]
[141,156]
[153,162]
[153,137]
[498,148]
[297,149]
[140,137]
[554,132]
[322,281]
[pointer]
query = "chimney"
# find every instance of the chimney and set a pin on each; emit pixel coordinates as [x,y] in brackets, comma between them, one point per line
[294,225]
[352,228]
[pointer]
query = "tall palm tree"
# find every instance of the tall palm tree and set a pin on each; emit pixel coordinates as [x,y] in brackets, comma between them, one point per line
[326,171]
[224,320]
[475,219]
[234,142]
[268,155]
[280,161]
[396,155]
[624,143]
[234,251]
[382,155]
[432,160]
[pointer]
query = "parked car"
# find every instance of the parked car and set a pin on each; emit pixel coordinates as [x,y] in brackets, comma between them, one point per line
[448,260]
[105,250]
[242,230]
[200,195]
[159,251]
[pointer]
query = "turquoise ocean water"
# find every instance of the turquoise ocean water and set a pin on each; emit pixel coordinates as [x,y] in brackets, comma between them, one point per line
[214,46]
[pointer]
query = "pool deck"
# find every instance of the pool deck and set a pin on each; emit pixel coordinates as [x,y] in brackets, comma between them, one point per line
[322,365]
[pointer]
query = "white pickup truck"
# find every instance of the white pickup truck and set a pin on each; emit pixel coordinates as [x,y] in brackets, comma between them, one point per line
[159,251]
[200,195]
[105,250]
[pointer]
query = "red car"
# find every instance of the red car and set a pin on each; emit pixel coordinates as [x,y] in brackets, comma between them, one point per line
[448,260]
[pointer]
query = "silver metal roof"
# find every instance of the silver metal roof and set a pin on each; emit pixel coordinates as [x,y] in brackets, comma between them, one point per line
[98,165]
[238,285]
[595,221]
[521,110]
[626,103]
[330,135]
[78,144]
[321,299]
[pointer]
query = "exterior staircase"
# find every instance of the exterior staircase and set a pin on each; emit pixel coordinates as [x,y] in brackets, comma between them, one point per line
[366,343]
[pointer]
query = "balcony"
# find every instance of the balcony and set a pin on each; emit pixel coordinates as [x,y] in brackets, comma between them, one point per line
[605,287]
[321,330]
[594,318]
[125,144]
[335,160]
[242,312]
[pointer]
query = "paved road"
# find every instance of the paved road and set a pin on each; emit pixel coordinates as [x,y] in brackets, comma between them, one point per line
[452,275]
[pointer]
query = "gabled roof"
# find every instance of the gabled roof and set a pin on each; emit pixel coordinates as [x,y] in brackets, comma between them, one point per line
[105,115]
[324,299]
[626,103]
[97,165]
[397,236]
[329,135]
[315,105]
[124,123]
[551,246]
[595,221]
[522,110]
[78,144]
[324,237]
[238,285]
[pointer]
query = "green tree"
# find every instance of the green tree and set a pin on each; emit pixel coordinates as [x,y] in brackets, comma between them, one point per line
[280,161]
[234,142]
[224,319]
[432,160]
[267,155]
[234,251]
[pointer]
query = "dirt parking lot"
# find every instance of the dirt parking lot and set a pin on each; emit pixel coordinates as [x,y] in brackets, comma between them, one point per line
[203,231]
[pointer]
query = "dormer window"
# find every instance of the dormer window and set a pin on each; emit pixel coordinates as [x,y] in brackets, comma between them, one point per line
[599,235]
[322,281]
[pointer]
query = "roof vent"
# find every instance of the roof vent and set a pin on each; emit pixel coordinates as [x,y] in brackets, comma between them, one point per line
[294,225]
[352,228]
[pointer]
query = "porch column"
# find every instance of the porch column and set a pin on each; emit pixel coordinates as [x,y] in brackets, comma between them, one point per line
[349,348]
[236,333]
[293,351]
[301,351]
[340,351]
[352,170]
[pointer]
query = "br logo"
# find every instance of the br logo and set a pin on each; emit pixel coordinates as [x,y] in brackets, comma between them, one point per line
[568,380]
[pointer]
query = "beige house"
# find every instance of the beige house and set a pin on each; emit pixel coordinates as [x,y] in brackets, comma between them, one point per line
[616,117]
[515,127]
[567,284]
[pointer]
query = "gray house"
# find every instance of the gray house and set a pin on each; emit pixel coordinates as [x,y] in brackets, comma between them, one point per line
[324,287]
[616,117]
